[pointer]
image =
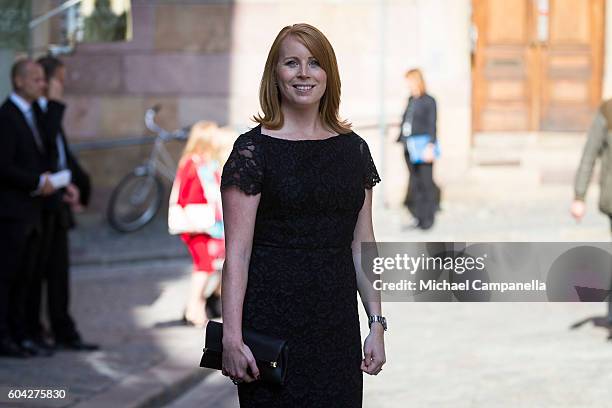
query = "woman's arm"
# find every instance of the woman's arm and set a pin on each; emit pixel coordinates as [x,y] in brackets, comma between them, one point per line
[364,232]
[431,119]
[374,347]
[239,212]
[400,136]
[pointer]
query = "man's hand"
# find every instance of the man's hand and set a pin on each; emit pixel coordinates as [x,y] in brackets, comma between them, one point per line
[47,188]
[55,89]
[72,196]
[578,209]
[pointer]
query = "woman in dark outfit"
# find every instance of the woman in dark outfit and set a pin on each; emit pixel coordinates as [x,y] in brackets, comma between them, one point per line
[297,204]
[423,196]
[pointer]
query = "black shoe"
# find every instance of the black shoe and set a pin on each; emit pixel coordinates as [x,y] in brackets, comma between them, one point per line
[414,224]
[76,345]
[186,322]
[425,225]
[191,323]
[44,345]
[35,349]
[8,348]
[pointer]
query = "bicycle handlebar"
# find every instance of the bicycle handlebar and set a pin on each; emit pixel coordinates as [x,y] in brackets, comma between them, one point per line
[149,119]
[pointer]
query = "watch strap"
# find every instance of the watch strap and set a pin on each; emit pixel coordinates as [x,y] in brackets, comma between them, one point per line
[376,318]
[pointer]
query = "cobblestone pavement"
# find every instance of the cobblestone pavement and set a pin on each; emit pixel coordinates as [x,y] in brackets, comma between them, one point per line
[482,354]
[118,303]
[95,243]
[440,354]
[475,355]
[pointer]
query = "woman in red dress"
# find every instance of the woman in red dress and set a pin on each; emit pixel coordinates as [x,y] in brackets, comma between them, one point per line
[198,177]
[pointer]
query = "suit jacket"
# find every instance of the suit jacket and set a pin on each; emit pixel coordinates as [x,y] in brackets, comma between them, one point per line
[52,122]
[598,146]
[21,164]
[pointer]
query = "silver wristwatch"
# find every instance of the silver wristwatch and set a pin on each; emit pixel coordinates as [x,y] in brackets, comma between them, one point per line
[380,319]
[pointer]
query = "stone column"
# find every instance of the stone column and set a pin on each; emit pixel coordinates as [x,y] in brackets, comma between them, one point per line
[7,56]
[607,69]
[444,48]
[432,35]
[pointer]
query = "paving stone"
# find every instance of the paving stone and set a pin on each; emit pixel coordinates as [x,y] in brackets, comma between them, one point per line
[439,354]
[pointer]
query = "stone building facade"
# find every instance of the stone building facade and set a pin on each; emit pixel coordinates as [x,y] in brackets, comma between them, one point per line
[203,59]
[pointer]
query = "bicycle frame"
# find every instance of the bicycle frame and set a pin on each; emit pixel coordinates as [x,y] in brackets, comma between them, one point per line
[140,193]
[160,161]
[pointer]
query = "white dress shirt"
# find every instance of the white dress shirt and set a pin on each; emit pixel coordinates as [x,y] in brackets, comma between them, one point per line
[61,149]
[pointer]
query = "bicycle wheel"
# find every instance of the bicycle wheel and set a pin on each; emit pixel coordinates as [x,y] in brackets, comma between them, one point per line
[134,202]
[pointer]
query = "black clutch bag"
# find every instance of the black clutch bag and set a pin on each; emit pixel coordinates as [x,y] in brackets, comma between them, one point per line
[270,353]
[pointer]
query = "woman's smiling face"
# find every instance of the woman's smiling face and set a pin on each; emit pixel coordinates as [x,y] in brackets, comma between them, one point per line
[300,78]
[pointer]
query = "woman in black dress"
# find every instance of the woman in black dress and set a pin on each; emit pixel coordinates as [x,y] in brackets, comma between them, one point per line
[423,196]
[297,204]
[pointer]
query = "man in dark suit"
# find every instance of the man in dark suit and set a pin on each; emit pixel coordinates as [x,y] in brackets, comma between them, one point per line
[57,219]
[24,181]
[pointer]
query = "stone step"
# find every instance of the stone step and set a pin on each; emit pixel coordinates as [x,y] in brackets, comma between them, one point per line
[529,157]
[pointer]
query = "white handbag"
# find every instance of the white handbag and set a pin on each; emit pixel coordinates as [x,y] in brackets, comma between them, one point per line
[193,218]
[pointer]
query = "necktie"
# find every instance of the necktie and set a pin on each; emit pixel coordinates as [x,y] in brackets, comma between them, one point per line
[30,118]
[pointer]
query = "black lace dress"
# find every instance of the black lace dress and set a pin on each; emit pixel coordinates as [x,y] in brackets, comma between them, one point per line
[301,281]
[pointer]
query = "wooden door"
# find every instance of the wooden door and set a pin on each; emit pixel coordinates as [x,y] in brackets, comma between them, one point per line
[572,64]
[502,73]
[537,64]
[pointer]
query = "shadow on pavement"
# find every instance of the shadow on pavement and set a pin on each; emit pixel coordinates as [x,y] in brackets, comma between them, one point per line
[598,321]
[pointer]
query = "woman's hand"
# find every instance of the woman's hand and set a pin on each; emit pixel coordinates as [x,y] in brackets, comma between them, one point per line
[428,154]
[374,350]
[237,361]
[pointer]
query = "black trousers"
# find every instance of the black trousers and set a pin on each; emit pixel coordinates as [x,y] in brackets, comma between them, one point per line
[19,251]
[53,268]
[423,196]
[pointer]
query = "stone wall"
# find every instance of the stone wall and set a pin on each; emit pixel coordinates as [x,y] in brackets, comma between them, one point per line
[204,59]
[179,58]
[607,70]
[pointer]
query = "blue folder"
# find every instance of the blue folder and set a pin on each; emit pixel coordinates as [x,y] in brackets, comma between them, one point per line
[416,145]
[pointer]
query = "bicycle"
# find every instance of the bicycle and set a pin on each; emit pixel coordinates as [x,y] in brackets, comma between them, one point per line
[138,196]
